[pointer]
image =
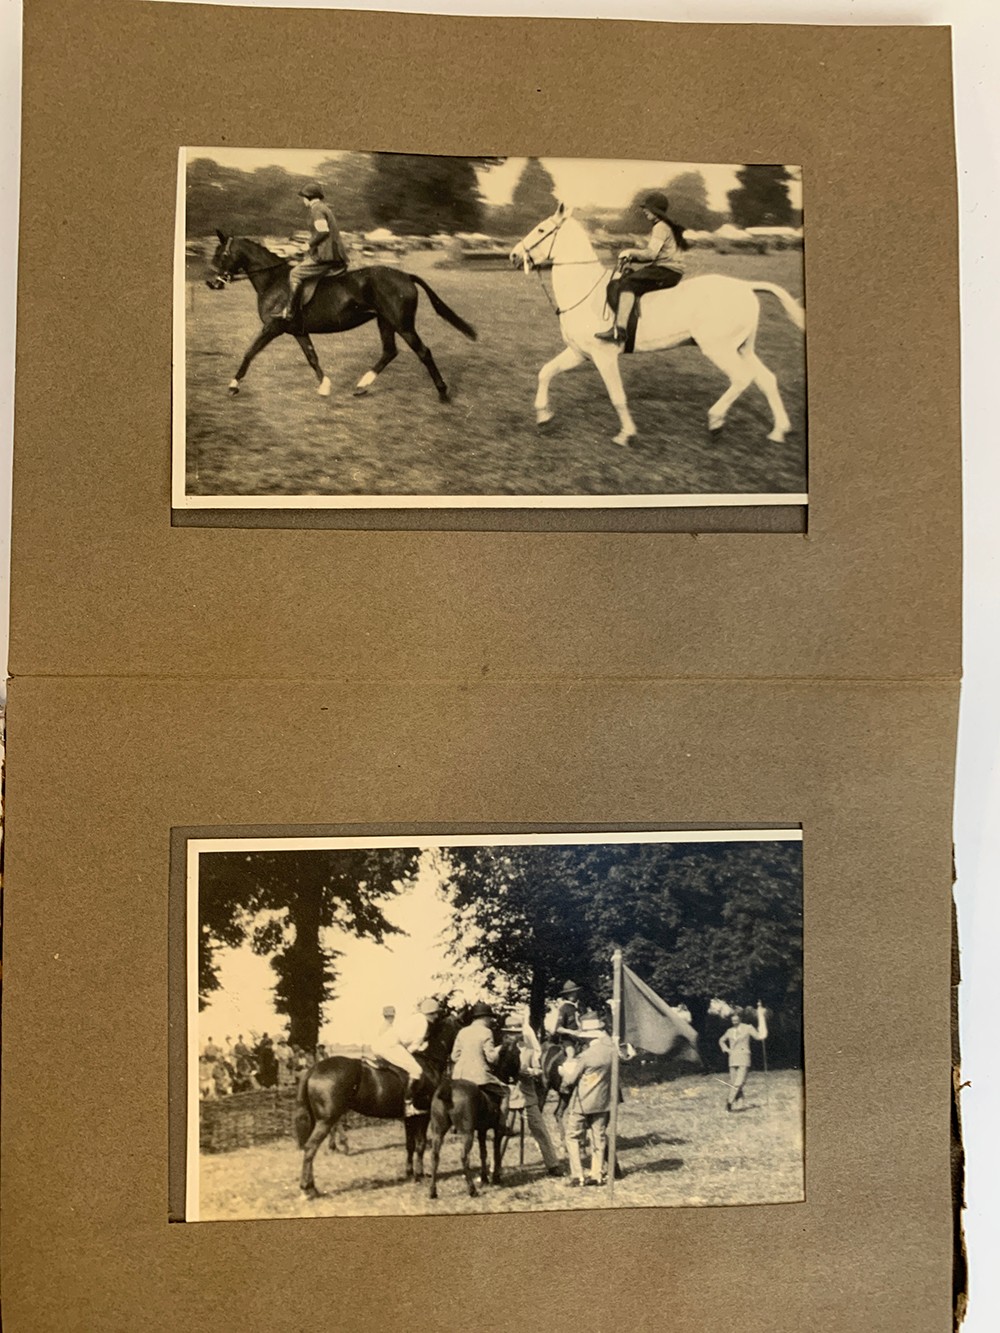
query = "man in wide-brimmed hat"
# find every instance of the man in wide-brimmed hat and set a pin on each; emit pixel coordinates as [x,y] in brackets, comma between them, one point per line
[476,1049]
[588,1079]
[327,253]
[661,263]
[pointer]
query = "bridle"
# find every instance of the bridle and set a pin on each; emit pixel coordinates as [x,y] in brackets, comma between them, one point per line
[227,275]
[560,263]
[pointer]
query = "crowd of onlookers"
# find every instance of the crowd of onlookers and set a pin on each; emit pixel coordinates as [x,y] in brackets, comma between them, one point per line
[271,1062]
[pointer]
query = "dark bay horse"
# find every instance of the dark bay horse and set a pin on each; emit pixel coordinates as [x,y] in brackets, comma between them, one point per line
[342,1083]
[342,302]
[471,1110]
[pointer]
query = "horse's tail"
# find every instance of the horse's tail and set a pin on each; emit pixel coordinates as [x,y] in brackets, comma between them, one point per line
[304,1118]
[445,311]
[791,307]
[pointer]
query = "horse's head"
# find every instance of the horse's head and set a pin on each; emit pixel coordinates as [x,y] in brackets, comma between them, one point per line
[227,261]
[536,249]
[508,1062]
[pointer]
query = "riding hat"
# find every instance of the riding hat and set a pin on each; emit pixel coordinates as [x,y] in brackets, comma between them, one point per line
[571,988]
[388,1011]
[312,190]
[657,203]
[481,1010]
[429,1006]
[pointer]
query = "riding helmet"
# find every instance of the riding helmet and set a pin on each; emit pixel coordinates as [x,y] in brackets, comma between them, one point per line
[313,190]
[657,203]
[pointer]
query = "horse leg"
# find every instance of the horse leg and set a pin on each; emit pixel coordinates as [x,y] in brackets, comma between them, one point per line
[271,330]
[466,1168]
[306,1182]
[606,362]
[484,1174]
[436,1137]
[306,343]
[416,1144]
[767,382]
[498,1140]
[416,344]
[568,359]
[733,363]
[389,353]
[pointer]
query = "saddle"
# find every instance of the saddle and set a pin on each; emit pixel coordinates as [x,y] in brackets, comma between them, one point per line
[308,289]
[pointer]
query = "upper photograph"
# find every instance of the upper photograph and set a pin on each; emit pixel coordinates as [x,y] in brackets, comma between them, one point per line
[388,331]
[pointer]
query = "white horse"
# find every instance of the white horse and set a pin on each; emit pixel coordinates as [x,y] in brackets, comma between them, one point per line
[720,314]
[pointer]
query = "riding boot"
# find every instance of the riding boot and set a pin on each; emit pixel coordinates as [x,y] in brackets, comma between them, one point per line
[631,322]
[408,1107]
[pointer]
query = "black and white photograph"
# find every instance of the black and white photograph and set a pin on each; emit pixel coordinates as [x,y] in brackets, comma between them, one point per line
[402,1025]
[376,330]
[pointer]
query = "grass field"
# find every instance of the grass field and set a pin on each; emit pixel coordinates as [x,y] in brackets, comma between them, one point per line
[676,1143]
[279,438]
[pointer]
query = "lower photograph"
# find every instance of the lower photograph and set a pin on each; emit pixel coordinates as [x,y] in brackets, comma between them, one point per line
[416,1024]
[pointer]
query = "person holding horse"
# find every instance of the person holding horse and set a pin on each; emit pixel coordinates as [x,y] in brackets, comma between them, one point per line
[399,1042]
[588,1077]
[736,1044]
[661,265]
[476,1049]
[327,254]
[524,1096]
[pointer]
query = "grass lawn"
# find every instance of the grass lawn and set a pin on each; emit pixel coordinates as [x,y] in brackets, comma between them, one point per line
[278,438]
[677,1145]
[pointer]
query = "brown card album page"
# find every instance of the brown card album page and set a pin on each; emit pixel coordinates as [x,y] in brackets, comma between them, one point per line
[379,690]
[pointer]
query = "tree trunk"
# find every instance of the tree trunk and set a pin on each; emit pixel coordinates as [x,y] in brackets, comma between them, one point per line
[303,968]
[536,1004]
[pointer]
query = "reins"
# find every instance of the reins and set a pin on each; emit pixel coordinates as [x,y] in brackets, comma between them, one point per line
[562,263]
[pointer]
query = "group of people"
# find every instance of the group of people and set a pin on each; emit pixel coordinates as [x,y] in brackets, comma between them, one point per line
[230,1067]
[657,265]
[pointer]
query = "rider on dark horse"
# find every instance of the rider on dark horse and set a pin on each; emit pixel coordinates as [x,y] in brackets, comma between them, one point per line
[476,1049]
[327,253]
[398,1042]
[661,265]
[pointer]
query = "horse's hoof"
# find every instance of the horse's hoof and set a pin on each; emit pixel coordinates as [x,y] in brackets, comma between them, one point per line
[233,390]
[625,440]
[444,396]
[324,388]
[433,1194]
[360,391]
[716,429]
[312,1193]
[542,421]
[473,1192]
[778,436]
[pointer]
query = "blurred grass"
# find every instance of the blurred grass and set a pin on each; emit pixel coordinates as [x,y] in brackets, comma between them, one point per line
[279,438]
[676,1143]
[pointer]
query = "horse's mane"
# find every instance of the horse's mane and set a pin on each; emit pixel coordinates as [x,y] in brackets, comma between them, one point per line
[258,248]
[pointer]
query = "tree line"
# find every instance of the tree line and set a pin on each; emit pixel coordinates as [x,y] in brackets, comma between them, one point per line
[421,195]
[694,920]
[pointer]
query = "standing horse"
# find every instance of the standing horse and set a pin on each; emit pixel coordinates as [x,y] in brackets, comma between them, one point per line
[343,1083]
[340,303]
[471,1110]
[717,313]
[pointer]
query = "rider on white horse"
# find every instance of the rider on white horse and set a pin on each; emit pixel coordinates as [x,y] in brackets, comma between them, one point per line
[662,266]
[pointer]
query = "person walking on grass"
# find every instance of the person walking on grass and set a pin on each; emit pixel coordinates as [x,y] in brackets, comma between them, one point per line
[588,1077]
[736,1044]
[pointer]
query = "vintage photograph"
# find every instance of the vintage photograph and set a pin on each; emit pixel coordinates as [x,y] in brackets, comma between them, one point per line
[380,330]
[412,1025]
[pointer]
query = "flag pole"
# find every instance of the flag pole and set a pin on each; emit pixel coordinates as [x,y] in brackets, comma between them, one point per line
[616,1005]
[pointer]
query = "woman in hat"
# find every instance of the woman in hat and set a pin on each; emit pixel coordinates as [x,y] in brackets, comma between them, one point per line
[661,265]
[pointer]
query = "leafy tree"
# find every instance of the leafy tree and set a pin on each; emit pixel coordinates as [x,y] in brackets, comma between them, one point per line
[762,199]
[421,195]
[694,920]
[534,197]
[281,902]
[688,195]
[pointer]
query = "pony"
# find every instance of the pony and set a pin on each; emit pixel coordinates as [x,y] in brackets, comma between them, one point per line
[719,314]
[340,302]
[344,1083]
[470,1110]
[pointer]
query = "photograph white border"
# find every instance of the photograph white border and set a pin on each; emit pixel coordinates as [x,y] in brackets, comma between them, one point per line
[181,500]
[422,842]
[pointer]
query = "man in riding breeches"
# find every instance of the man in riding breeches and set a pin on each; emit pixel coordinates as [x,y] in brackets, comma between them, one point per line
[327,253]
[398,1042]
